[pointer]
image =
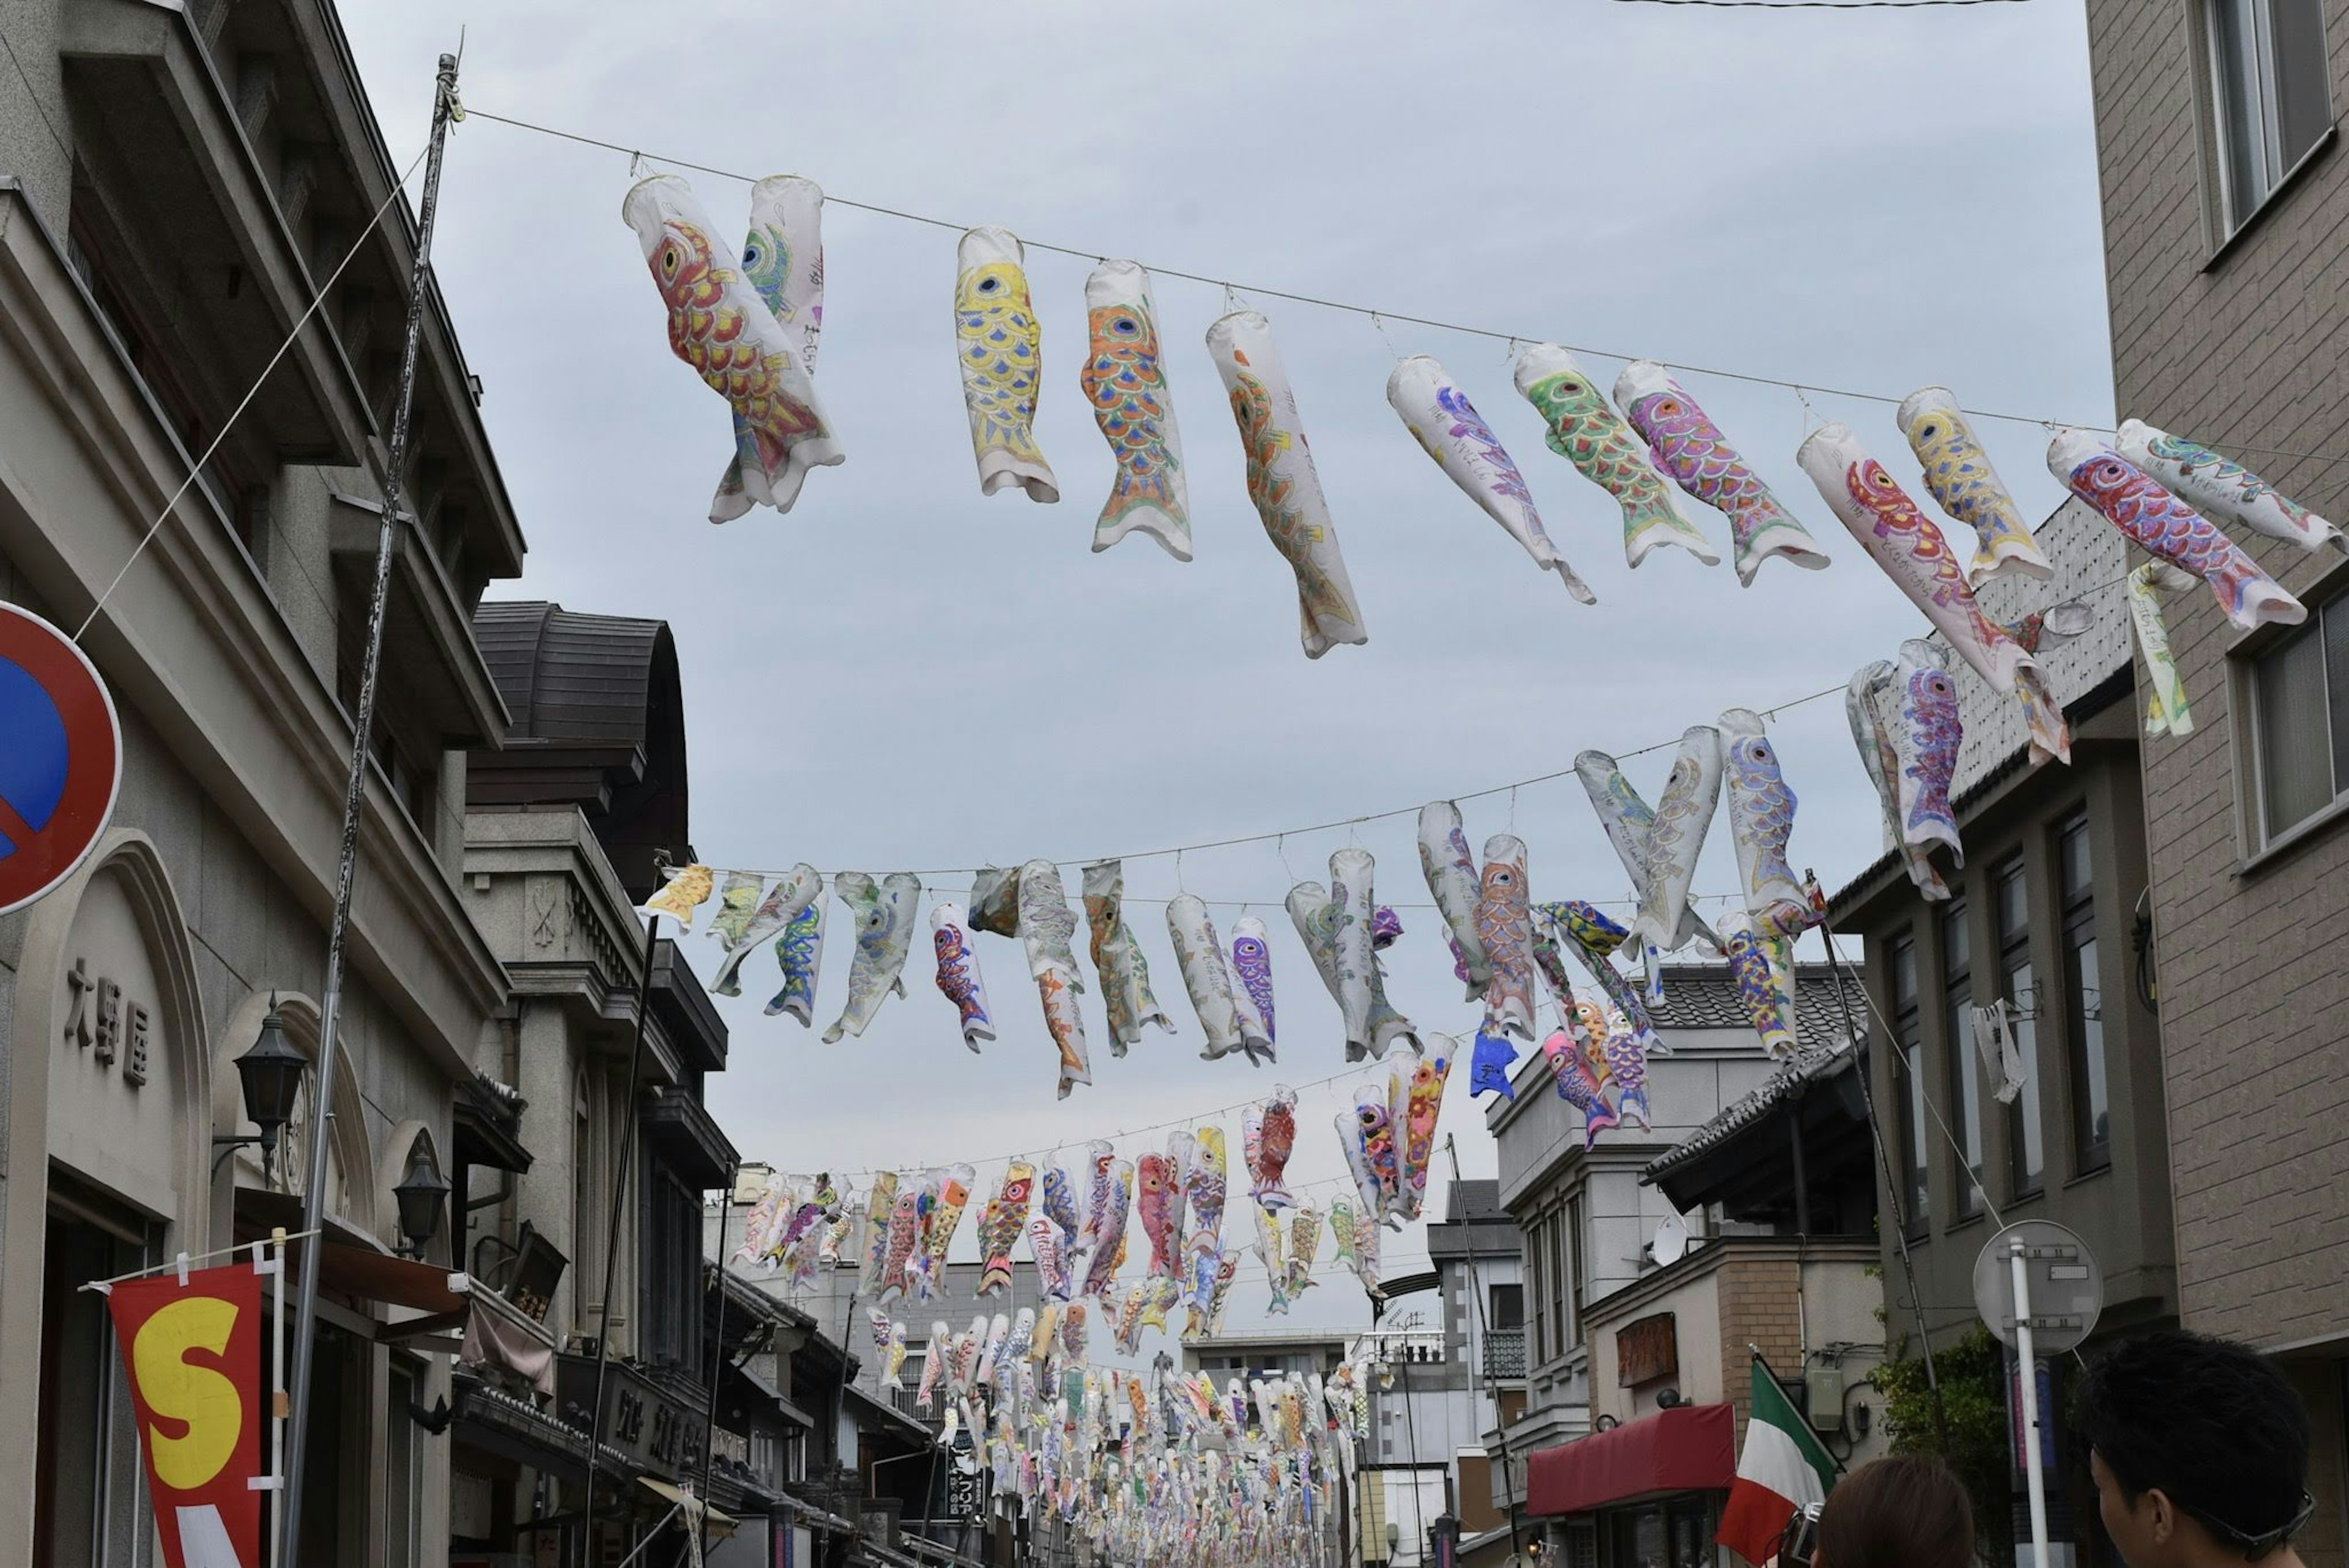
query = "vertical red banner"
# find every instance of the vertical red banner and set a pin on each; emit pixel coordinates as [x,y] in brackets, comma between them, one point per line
[193,1352]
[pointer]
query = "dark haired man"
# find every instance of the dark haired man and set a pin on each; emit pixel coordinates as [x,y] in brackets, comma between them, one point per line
[2199,1448]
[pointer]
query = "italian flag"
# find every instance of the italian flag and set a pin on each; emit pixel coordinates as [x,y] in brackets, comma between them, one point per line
[1784,1467]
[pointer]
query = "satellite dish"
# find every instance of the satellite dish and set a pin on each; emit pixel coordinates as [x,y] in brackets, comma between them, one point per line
[1672,1241]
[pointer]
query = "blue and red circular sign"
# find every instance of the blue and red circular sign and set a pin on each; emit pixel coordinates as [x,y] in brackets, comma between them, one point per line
[60,757]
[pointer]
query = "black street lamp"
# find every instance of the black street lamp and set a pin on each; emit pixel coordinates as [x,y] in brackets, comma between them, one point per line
[419,1194]
[270,1074]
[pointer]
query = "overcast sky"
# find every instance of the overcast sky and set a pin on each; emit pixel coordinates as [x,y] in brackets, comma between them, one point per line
[904,674]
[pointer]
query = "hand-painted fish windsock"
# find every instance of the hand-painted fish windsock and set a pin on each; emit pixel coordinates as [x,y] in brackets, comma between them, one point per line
[1763,967]
[1630,825]
[1001,347]
[1488,1070]
[1251,969]
[1919,560]
[880,1212]
[903,1220]
[1585,429]
[1125,382]
[1052,1262]
[719,325]
[1685,444]
[1152,1180]
[782,259]
[1925,747]
[1109,1230]
[1000,1224]
[1627,1069]
[1271,1254]
[775,906]
[1590,937]
[1578,1085]
[885,937]
[1060,1204]
[1959,474]
[1118,959]
[1453,880]
[1206,974]
[958,976]
[1683,815]
[1032,904]
[1100,1160]
[2166,712]
[1761,819]
[1423,1102]
[687,888]
[2223,491]
[1373,1108]
[1504,930]
[1869,704]
[1449,428]
[1281,481]
[935,1356]
[1304,1251]
[2135,503]
[1208,1185]
[1317,918]
[1270,1137]
[954,1196]
[799,949]
[1353,1141]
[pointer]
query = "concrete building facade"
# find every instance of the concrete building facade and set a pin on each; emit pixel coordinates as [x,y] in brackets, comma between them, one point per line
[176,185]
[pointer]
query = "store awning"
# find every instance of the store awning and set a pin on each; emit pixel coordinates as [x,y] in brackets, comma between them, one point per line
[1690,1447]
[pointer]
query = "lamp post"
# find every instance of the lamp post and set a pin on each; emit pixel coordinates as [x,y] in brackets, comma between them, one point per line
[420,1192]
[270,1074]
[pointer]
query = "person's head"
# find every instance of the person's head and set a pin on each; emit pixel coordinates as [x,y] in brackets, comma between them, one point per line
[1905,1511]
[2200,1449]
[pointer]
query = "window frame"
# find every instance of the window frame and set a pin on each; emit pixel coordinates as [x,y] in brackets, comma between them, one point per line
[1905,1044]
[2278,171]
[2260,839]
[2076,925]
[2014,950]
[1963,1072]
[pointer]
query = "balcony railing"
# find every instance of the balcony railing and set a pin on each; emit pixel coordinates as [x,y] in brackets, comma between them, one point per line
[1505,1353]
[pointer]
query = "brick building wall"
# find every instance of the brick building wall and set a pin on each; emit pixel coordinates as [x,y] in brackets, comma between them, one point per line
[2239,344]
[1760,1305]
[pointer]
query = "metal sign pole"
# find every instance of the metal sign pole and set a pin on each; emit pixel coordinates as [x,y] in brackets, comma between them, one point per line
[314,1194]
[2027,1351]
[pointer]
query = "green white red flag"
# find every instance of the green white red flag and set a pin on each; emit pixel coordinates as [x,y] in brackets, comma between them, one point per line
[1784,1467]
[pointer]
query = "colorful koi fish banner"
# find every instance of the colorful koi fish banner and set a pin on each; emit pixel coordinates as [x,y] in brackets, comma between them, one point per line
[1081,1237]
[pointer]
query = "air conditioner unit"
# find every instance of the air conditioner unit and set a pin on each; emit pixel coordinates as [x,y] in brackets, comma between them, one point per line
[1823,1393]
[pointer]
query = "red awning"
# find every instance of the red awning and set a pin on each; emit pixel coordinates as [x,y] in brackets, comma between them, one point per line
[1690,1447]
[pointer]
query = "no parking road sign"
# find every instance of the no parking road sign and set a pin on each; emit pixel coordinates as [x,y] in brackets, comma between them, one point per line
[60,757]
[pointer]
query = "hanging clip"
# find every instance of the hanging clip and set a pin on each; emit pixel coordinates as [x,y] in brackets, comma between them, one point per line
[181,1263]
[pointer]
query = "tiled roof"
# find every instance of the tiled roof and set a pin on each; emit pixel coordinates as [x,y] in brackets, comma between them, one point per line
[1810,1063]
[1704,996]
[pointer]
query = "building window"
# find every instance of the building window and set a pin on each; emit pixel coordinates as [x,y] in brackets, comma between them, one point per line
[671,1269]
[403,1480]
[1965,1078]
[2267,68]
[1505,1311]
[1909,1083]
[1574,1271]
[1537,1250]
[2300,721]
[2026,1139]
[2083,1003]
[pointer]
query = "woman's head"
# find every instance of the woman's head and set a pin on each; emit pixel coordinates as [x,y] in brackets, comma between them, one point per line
[1899,1512]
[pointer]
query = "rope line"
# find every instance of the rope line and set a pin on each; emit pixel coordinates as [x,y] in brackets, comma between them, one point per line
[1380,315]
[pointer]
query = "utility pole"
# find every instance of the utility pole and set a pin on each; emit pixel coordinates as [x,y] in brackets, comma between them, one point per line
[314,1185]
